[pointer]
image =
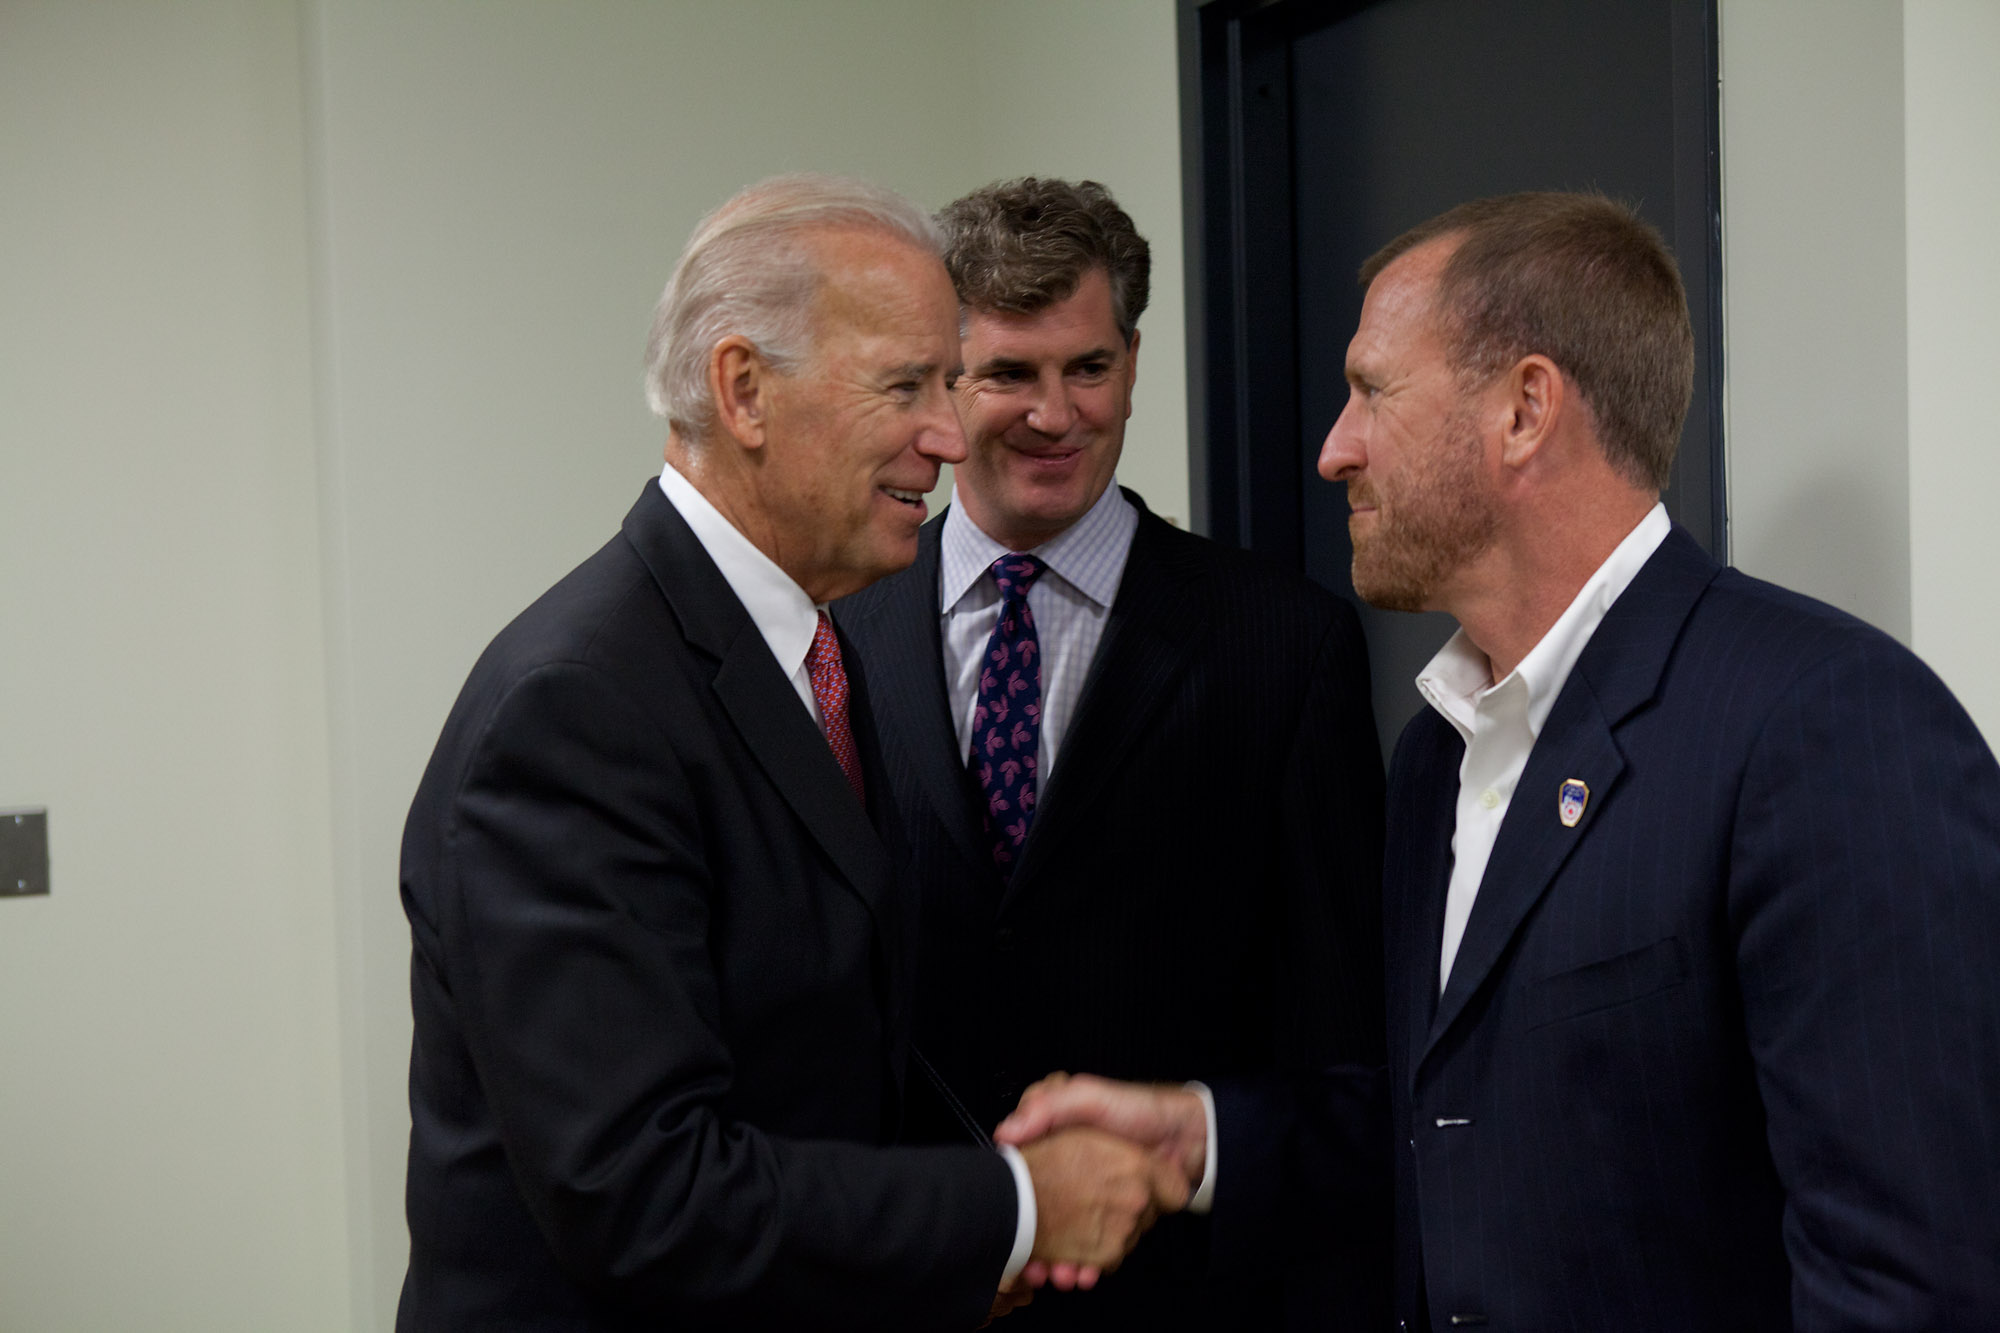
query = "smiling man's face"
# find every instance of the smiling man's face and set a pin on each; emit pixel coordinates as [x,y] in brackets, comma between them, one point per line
[858,433]
[1044,399]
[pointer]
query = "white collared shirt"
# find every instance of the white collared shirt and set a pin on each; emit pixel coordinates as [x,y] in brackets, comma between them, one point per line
[778,607]
[1500,720]
[788,620]
[1071,602]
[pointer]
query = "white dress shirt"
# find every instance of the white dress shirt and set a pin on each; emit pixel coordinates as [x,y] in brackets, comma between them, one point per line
[778,607]
[1070,602]
[1500,720]
[788,620]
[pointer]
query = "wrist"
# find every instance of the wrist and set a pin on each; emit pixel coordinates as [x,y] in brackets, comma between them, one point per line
[1199,1159]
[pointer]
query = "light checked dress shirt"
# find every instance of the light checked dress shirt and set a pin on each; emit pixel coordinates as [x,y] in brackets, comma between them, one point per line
[1499,720]
[1070,603]
[787,618]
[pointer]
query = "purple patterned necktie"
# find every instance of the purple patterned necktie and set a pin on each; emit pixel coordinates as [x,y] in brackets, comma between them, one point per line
[1007,721]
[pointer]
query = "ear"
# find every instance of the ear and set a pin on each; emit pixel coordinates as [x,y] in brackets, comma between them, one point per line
[1537,395]
[1131,371]
[740,384]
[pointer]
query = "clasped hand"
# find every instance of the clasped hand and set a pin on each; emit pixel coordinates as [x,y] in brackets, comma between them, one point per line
[1107,1159]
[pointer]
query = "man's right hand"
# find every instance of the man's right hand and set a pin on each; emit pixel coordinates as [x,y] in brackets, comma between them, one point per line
[1095,1195]
[1168,1119]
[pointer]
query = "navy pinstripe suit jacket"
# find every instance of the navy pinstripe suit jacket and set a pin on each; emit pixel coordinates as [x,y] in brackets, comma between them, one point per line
[1726,1054]
[1149,932]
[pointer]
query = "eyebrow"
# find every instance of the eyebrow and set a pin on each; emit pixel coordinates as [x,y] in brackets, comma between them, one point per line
[992,364]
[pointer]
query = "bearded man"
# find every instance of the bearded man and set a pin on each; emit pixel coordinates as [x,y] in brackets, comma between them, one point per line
[1693,883]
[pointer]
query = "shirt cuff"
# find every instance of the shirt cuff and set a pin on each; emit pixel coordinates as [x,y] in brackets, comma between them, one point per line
[1024,1224]
[1203,1198]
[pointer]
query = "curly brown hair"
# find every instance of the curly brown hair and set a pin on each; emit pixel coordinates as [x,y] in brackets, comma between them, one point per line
[1022,245]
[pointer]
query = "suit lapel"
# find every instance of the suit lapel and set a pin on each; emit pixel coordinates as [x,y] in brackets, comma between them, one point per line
[759,700]
[1145,647]
[1418,870]
[909,669]
[1575,743]
[1619,671]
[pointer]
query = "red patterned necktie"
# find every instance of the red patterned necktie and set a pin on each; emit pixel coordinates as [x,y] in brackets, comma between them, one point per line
[1007,719]
[829,682]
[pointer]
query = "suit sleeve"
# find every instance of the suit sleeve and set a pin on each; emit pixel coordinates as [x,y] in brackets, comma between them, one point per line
[1865,892]
[1303,1161]
[578,944]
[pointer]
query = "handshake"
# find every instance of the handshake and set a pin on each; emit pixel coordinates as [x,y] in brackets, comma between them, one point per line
[1107,1160]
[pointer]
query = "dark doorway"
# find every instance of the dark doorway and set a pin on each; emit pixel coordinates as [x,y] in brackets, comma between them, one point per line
[1313,133]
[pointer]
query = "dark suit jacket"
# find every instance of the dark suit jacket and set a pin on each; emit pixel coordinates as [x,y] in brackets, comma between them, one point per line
[1198,894]
[661,981]
[1726,1054]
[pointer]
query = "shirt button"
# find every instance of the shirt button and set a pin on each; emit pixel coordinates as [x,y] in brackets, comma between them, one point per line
[1489,798]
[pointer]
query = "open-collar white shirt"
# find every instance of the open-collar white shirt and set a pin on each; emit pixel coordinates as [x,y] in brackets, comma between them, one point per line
[1500,720]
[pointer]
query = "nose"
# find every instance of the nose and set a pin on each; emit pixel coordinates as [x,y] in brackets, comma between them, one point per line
[1343,453]
[942,435]
[1052,413]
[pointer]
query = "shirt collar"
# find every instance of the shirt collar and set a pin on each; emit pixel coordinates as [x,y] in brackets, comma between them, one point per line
[1459,676]
[780,609]
[1076,554]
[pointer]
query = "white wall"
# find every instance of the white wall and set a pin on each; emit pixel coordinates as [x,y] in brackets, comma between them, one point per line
[170,1153]
[1951,53]
[1861,177]
[1813,323]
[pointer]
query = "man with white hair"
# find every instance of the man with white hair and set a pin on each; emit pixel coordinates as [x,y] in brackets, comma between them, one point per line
[661,949]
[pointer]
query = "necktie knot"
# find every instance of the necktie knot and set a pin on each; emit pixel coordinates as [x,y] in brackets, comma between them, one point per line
[1016,573]
[823,657]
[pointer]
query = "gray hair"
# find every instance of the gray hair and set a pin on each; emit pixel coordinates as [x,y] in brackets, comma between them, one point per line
[750,270]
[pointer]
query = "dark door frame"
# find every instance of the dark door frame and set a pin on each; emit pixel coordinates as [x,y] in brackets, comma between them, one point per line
[1236,195]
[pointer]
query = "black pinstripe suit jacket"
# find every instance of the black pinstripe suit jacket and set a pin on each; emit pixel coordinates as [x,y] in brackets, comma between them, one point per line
[1726,1054]
[1197,897]
[661,983]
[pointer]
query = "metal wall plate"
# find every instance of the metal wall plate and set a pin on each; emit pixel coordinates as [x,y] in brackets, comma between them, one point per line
[24,852]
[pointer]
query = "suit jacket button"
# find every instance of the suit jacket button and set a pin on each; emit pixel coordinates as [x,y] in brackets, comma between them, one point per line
[1465,1320]
[1003,939]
